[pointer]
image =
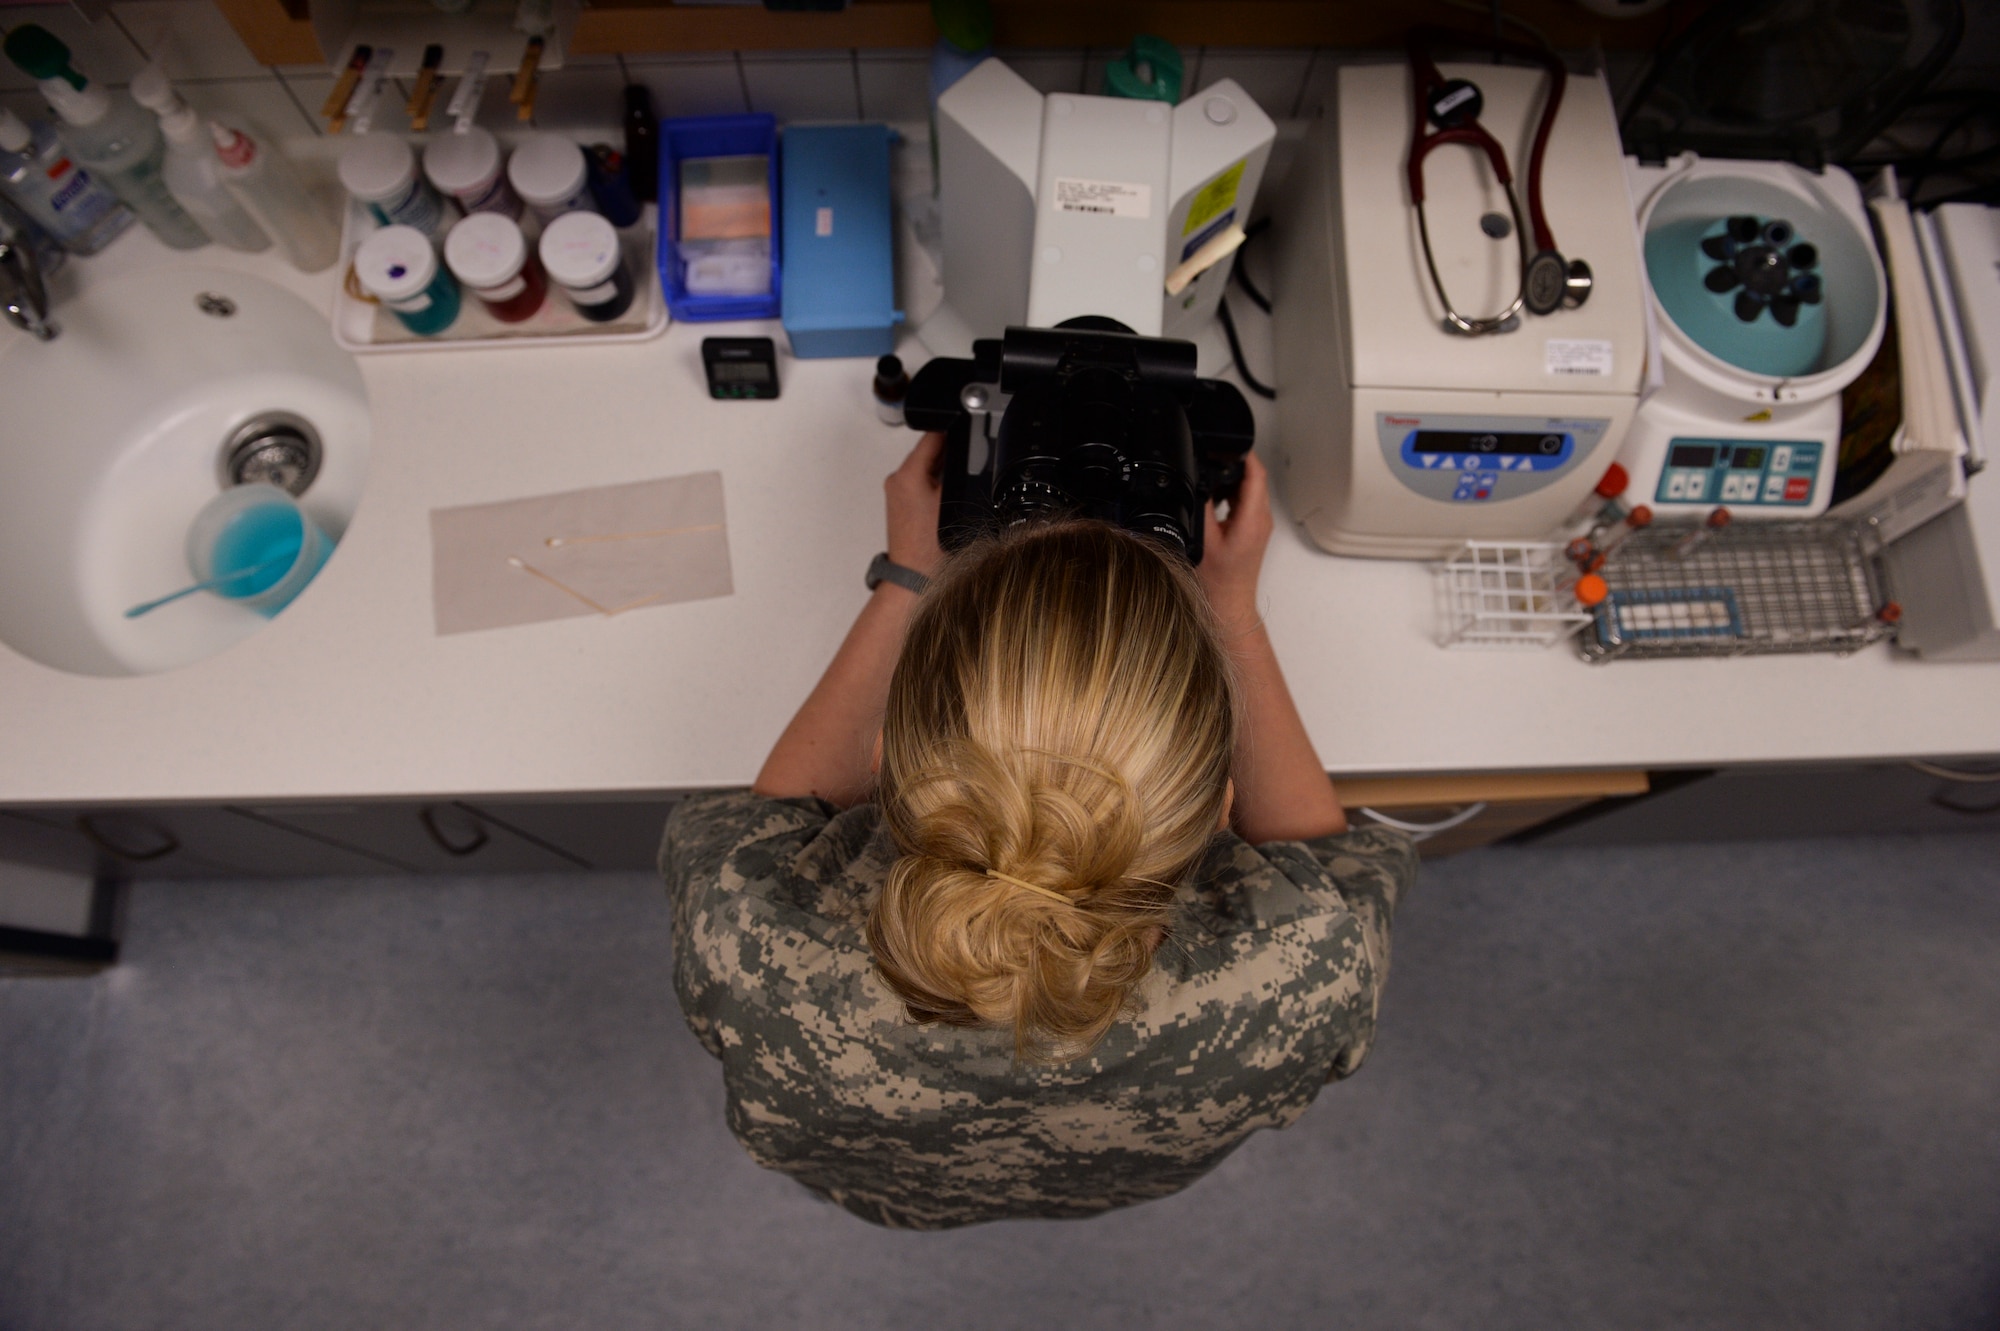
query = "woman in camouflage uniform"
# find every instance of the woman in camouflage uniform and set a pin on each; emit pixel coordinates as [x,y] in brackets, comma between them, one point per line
[1098,917]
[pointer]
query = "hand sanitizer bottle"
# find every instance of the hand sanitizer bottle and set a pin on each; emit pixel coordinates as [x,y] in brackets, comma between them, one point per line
[41,180]
[192,174]
[108,133]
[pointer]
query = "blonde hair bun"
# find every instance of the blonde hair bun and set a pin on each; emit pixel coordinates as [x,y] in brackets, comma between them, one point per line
[1055,757]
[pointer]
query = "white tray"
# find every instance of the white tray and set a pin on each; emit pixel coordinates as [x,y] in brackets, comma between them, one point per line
[362,326]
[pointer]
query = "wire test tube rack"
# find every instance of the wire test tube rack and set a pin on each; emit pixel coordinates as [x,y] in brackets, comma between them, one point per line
[1506,594]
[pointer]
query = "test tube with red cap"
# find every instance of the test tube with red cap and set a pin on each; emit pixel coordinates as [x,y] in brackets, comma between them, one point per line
[1604,496]
[1716,520]
[1589,556]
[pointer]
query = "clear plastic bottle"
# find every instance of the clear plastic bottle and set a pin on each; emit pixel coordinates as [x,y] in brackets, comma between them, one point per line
[109,134]
[192,173]
[273,192]
[37,175]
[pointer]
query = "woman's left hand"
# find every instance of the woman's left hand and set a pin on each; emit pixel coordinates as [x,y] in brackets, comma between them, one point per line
[912,492]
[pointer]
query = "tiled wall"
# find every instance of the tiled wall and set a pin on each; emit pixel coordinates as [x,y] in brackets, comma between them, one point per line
[219,76]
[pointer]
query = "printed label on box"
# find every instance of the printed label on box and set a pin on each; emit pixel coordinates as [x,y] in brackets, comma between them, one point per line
[1572,356]
[1110,198]
[823,222]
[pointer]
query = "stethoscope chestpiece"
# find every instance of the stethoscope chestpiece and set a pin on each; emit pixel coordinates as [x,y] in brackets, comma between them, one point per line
[1550,283]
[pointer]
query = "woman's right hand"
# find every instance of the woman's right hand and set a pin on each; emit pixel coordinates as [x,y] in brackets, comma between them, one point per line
[912,492]
[1233,550]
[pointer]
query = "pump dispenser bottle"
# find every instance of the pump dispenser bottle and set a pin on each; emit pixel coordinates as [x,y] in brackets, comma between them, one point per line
[41,180]
[192,174]
[107,132]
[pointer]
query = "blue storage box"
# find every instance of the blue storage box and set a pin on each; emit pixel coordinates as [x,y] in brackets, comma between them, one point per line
[840,272]
[713,136]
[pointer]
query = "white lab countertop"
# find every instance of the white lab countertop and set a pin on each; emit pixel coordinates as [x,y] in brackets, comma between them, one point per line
[351,694]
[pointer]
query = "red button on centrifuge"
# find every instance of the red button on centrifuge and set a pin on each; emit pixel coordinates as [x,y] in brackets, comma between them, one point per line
[1798,489]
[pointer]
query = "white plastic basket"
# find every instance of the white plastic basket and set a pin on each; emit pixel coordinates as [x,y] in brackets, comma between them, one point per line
[1505,594]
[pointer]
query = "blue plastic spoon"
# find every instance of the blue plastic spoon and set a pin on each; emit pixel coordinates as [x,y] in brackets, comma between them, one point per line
[209,586]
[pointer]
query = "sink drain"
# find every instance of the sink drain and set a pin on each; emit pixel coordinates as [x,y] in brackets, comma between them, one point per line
[274,448]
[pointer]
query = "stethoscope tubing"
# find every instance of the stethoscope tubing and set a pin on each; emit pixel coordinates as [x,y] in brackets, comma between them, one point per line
[1426,78]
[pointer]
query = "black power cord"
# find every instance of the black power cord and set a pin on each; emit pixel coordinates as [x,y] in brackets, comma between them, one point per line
[1236,352]
[1250,381]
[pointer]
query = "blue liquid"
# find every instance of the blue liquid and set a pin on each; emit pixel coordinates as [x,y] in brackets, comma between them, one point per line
[269,535]
[440,314]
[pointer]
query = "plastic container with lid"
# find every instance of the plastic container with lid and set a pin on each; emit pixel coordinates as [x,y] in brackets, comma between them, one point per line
[380,171]
[466,164]
[582,256]
[487,253]
[399,267]
[548,171]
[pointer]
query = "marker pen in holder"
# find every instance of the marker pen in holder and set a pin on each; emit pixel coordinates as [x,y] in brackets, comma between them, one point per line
[399,267]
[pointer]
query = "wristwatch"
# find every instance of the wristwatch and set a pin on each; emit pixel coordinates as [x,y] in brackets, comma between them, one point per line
[883,569]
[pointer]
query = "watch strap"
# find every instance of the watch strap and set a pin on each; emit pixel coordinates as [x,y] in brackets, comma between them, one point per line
[883,569]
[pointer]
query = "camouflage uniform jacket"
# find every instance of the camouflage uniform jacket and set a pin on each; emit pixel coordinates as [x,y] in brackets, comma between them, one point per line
[1267,988]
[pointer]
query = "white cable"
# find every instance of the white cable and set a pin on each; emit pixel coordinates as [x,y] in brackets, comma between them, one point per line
[1425,831]
[1949,774]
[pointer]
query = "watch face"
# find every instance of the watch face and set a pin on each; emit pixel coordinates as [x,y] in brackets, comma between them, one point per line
[1545,282]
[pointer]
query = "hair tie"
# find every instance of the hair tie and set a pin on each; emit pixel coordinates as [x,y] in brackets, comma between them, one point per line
[1050,893]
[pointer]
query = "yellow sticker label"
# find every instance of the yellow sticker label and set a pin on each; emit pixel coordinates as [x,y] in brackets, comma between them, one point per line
[1214,199]
[1758,417]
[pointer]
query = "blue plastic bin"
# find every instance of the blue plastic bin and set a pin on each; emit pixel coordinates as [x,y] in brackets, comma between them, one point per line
[714,136]
[840,287]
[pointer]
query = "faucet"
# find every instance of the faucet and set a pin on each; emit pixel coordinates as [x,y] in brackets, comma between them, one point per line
[24,298]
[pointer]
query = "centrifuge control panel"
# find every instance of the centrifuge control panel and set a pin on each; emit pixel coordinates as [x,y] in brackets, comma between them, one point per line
[1482,459]
[1740,473]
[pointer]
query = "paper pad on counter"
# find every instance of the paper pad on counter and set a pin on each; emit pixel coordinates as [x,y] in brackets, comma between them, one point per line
[608,550]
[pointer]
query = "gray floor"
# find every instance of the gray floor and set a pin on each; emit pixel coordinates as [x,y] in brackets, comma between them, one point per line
[1748,1086]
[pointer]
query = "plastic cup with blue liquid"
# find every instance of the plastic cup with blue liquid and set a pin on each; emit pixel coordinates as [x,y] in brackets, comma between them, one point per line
[258,547]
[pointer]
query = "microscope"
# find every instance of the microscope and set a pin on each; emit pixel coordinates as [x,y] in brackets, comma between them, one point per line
[1098,233]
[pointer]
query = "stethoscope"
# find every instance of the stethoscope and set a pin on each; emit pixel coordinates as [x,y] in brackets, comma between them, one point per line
[1548,282]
